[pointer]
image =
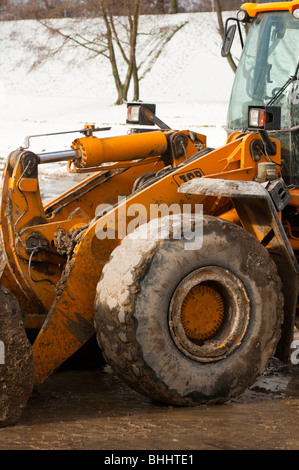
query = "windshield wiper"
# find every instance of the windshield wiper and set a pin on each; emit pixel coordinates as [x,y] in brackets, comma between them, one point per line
[290,80]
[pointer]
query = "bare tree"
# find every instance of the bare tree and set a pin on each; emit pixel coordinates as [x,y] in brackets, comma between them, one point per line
[116,41]
[24,9]
[3,5]
[174,6]
[160,6]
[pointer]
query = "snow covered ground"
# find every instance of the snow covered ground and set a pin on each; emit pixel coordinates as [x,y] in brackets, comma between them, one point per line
[190,84]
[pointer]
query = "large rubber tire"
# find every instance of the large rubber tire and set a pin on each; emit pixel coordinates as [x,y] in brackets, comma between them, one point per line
[138,310]
[16,361]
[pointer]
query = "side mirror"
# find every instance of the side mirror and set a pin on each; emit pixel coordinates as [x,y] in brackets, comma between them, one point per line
[228,40]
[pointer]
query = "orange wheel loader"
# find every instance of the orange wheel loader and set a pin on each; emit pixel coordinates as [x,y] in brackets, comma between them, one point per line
[180,258]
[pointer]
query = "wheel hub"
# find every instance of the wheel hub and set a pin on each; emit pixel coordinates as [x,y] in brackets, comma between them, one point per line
[202,311]
[209,314]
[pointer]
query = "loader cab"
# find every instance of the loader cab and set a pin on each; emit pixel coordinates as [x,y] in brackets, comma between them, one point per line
[269,58]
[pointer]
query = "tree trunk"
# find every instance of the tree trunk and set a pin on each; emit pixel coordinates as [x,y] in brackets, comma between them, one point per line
[174,6]
[160,6]
[132,71]
[112,57]
[134,33]
[218,9]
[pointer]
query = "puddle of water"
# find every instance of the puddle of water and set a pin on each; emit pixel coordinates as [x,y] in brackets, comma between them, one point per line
[94,410]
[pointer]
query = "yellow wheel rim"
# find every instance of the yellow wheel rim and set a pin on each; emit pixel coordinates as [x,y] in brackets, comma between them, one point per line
[202,311]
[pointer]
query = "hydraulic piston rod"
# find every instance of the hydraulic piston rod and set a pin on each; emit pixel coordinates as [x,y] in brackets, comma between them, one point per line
[59,156]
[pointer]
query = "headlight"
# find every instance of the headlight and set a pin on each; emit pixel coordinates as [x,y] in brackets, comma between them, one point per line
[264,117]
[243,16]
[140,113]
[257,118]
[296,13]
[133,113]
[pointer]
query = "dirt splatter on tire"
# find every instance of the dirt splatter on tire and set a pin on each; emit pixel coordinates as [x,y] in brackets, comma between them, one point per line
[17,367]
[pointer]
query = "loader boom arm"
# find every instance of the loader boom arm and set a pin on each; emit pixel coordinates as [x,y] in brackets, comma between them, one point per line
[54,255]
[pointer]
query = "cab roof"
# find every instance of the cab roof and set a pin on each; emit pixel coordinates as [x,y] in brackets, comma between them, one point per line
[254,8]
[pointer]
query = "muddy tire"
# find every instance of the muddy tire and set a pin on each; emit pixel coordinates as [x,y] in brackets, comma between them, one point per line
[16,361]
[188,327]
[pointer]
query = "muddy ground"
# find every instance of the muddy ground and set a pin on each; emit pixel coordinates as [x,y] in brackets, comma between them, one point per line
[93,410]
